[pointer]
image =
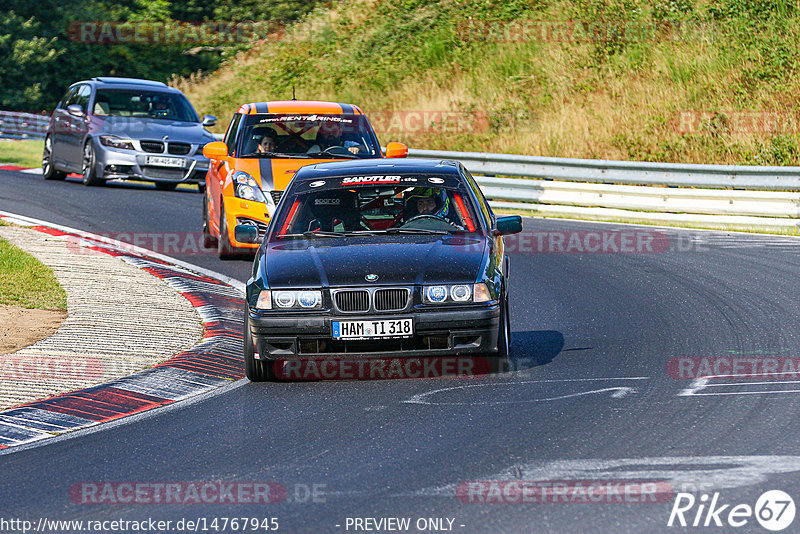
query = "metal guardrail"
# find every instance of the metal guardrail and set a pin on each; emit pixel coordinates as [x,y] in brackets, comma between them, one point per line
[624,172]
[14,125]
[721,196]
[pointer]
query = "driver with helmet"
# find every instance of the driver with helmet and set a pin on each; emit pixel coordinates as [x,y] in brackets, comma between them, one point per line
[427,201]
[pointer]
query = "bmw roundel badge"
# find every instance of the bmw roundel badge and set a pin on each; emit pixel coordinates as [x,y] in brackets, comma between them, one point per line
[371,277]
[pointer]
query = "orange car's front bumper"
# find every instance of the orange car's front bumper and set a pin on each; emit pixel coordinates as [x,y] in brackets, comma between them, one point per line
[238,211]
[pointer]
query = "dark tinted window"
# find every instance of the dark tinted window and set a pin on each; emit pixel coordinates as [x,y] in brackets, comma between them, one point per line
[230,135]
[144,104]
[82,98]
[484,206]
[69,97]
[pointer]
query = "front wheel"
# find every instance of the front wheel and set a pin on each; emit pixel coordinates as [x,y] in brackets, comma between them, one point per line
[166,186]
[48,169]
[89,171]
[255,370]
[504,334]
[225,250]
[209,241]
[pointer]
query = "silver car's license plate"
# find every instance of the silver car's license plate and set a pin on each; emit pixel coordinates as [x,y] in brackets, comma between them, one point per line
[372,329]
[164,161]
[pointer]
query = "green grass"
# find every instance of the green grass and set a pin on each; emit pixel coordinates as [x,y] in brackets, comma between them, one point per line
[22,153]
[595,98]
[26,282]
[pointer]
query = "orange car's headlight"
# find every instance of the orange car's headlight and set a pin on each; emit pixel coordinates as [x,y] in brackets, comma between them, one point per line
[246,187]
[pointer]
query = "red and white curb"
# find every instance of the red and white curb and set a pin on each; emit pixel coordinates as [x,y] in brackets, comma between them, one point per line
[214,362]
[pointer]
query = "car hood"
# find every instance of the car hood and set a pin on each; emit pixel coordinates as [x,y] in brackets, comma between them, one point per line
[142,128]
[332,262]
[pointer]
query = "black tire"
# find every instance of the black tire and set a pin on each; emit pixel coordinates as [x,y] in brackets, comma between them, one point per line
[201,187]
[209,241]
[504,334]
[225,250]
[48,168]
[166,186]
[89,172]
[255,370]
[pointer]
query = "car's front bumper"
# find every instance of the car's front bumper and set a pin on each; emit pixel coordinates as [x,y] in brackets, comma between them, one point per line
[113,164]
[439,332]
[241,211]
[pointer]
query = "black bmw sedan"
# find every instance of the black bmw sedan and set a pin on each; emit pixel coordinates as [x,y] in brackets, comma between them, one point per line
[369,259]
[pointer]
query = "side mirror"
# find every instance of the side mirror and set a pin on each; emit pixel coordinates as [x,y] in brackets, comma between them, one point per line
[75,110]
[396,150]
[215,150]
[209,120]
[511,224]
[246,233]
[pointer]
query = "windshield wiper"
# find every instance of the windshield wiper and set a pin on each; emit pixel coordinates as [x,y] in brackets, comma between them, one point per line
[275,155]
[332,155]
[399,231]
[309,234]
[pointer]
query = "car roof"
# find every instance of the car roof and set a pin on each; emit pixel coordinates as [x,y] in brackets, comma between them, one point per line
[106,82]
[300,106]
[377,166]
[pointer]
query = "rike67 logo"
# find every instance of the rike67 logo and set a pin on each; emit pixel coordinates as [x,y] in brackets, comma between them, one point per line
[774,510]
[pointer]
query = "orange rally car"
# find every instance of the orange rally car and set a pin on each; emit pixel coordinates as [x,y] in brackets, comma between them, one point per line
[266,143]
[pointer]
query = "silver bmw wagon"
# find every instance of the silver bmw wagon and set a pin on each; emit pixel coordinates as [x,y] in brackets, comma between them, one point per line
[125,128]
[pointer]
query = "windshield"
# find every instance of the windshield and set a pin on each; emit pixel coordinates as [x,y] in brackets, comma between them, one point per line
[307,136]
[144,104]
[375,211]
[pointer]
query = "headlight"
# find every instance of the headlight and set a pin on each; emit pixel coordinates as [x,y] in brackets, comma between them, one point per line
[305,299]
[460,293]
[116,142]
[246,187]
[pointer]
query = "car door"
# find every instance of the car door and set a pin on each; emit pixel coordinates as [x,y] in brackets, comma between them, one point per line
[60,135]
[78,127]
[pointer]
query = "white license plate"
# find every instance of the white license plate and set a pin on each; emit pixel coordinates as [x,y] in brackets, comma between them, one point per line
[372,329]
[163,161]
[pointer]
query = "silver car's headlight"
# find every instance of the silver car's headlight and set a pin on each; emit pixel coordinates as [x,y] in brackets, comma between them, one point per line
[115,141]
[246,187]
[455,294]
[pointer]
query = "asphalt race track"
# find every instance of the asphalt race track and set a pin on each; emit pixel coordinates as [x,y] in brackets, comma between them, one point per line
[600,391]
